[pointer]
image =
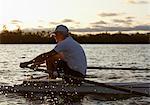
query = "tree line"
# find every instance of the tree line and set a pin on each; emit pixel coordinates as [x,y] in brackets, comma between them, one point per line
[42,37]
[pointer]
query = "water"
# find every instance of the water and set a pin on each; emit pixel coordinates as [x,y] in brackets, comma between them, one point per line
[97,55]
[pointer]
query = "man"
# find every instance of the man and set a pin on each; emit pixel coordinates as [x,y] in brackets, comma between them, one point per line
[67,54]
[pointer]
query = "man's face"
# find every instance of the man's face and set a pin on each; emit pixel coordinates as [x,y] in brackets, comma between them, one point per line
[58,36]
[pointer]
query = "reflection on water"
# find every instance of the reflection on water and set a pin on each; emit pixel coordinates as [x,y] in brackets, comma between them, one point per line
[97,55]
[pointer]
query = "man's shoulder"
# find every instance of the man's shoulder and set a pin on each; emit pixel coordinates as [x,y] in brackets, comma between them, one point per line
[68,40]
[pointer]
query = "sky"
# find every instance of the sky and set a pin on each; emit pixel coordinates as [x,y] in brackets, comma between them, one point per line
[78,15]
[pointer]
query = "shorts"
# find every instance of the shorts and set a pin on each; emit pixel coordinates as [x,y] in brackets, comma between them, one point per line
[68,73]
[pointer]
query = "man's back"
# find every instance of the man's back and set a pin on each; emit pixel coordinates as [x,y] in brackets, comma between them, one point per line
[73,54]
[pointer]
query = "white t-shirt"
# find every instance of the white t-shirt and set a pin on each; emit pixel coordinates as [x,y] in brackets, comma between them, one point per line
[73,54]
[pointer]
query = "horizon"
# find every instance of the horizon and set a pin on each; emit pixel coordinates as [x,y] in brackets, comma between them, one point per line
[79,16]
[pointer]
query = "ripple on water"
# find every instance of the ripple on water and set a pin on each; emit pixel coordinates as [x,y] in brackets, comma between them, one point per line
[97,55]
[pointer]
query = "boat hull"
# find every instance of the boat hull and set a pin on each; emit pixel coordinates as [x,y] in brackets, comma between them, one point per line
[58,86]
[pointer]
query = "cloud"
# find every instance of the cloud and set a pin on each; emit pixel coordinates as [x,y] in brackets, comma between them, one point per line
[70,21]
[119,21]
[142,27]
[108,14]
[99,22]
[40,26]
[16,21]
[138,2]
[67,21]
[85,29]
[130,17]
[115,28]
[127,21]
[54,23]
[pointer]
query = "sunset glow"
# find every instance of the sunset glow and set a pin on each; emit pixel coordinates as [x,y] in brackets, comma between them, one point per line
[79,15]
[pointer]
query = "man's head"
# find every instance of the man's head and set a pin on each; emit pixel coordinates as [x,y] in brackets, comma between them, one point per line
[61,32]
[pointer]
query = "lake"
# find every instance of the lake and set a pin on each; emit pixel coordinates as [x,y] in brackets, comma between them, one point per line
[105,55]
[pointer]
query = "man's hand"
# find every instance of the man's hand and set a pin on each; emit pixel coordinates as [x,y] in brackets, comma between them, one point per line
[39,59]
[33,66]
[25,64]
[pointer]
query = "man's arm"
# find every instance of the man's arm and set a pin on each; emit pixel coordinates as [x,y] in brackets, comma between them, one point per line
[43,56]
[39,58]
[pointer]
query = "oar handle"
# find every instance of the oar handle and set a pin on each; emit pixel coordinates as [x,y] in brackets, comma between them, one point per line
[24,64]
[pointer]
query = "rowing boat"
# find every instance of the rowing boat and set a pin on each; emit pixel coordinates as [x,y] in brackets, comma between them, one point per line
[45,85]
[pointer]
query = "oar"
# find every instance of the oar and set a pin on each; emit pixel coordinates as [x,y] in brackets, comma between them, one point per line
[118,68]
[44,70]
[106,68]
[107,85]
[111,87]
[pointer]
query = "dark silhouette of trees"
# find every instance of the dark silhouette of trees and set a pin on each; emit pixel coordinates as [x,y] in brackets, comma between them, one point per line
[117,38]
[42,37]
[20,37]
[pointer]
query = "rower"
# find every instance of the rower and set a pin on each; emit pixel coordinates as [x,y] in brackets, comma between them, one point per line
[67,55]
